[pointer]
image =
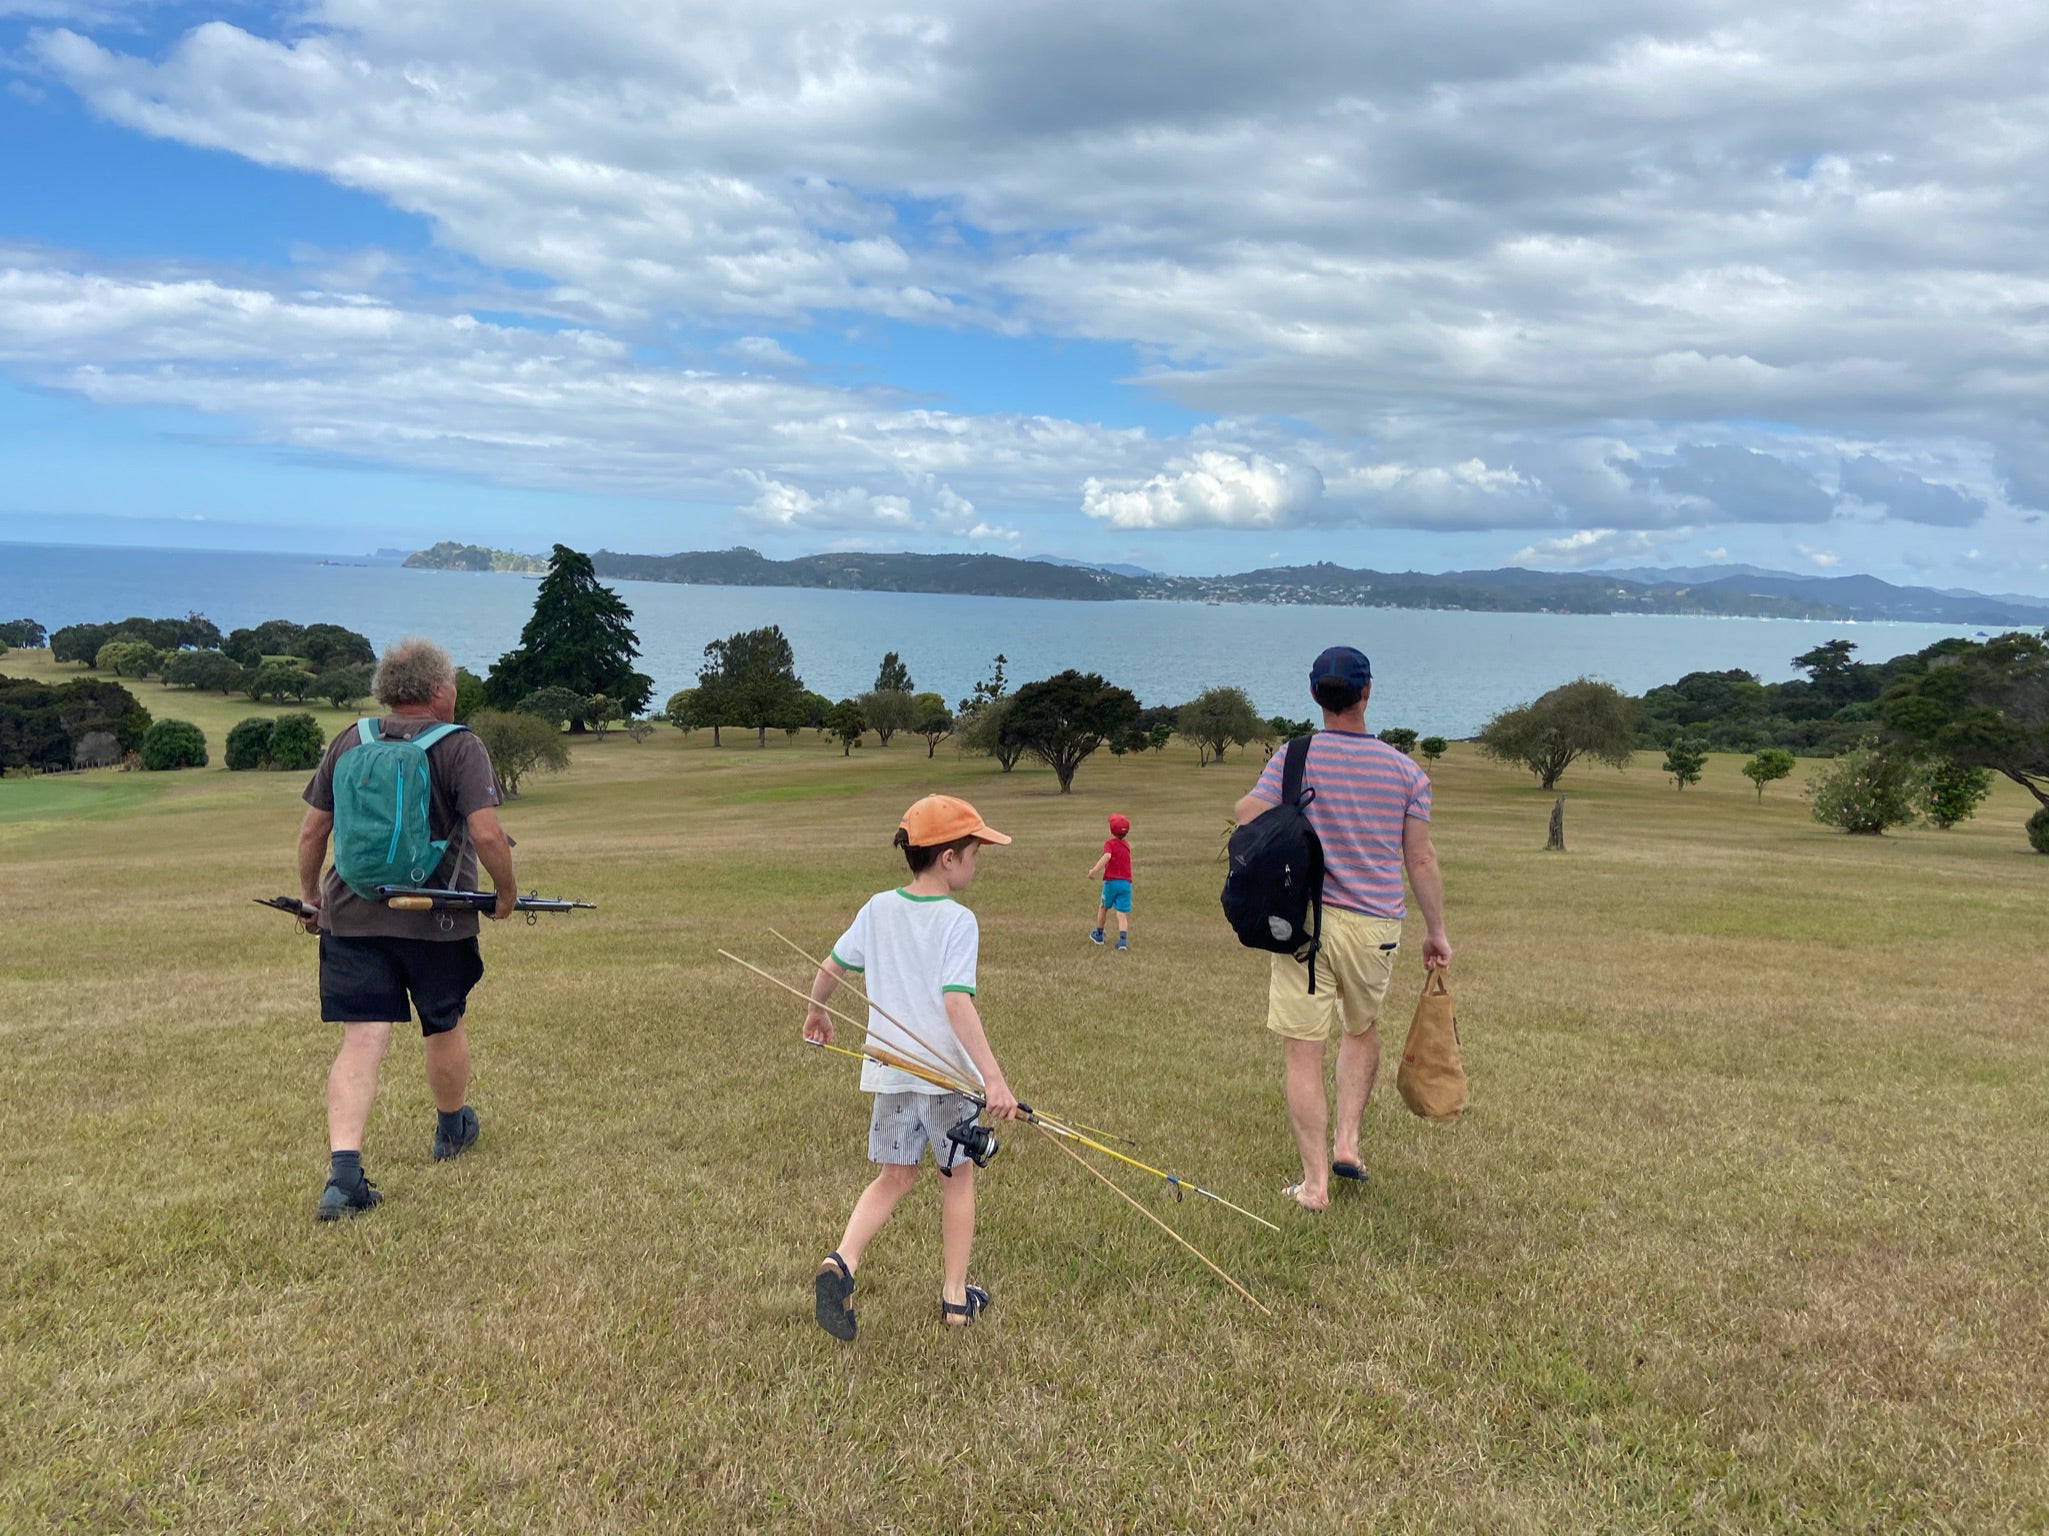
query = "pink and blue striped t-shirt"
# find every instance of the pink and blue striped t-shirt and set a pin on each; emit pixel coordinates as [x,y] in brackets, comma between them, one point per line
[1365,792]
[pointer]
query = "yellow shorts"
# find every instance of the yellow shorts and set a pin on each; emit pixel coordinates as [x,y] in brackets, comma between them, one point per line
[1352,972]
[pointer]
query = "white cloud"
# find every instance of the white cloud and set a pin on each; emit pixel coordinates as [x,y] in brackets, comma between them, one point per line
[1211,489]
[1827,559]
[1598,546]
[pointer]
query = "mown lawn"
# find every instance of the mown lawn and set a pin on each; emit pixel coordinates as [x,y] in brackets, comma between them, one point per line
[1742,1233]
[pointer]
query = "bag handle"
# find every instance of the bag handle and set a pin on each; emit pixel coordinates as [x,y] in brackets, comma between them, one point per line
[1437,981]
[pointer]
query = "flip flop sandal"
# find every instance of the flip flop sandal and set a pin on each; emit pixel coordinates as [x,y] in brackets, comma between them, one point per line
[976,1304]
[1349,1171]
[1294,1193]
[833,1297]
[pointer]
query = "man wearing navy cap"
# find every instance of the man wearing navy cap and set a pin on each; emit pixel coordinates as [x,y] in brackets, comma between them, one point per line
[1371,811]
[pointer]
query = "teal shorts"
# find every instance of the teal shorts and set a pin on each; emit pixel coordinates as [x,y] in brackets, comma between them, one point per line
[1117,896]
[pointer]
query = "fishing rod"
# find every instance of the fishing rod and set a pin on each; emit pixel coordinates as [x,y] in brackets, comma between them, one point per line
[405,898]
[928,1049]
[1053,1124]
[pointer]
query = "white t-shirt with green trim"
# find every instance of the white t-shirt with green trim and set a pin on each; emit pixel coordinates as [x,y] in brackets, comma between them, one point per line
[911,951]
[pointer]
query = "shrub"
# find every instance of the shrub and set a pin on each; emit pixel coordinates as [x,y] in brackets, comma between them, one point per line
[1402,739]
[208,670]
[557,706]
[278,681]
[1864,791]
[469,694]
[249,744]
[127,658]
[1432,748]
[1951,792]
[2038,830]
[173,744]
[296,742]
[1685,758]
[342,686]
[1768,766]
[519,744]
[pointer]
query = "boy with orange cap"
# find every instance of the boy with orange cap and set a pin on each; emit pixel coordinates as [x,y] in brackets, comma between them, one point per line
[916,947]
[1114,870]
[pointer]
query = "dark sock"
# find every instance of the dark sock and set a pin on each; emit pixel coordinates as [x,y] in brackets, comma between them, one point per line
[345,1168]
[451,1123]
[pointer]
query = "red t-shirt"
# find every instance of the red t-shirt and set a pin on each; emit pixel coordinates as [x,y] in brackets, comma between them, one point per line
[1119,867]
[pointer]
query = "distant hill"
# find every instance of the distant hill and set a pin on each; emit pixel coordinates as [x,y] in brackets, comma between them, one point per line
[1092,565]
[1733,591]
[451,556]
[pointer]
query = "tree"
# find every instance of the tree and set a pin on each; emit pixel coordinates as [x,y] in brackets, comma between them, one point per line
[273,637]
[1432,748]
[990,688]
[327,646]
[249,744]
[1769,766]
[210,671]
[81,724]
[557,706]
[1981,706]
[1949,793]
[892,676]
[816,706]
[296,742]
[469,695]
[342,686]
[750,679]
[128,658]
[985,731]
[1401,738]
[931,719]
[845,723]
[520,744]
[1583,718]
[681,710]
[639,729]
[889,710]
[1064,718]
[1215,719]
[173,744]
[1864,791]
[25,633]
[1684,759]
[79,642]
[278,681]
[1834,675]
[579,637]
[2038,830]
[598,713]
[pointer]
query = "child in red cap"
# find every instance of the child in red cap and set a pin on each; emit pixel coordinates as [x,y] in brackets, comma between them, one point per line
[1114,870]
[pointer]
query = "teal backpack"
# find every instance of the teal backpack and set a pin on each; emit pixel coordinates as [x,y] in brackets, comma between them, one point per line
[381,794]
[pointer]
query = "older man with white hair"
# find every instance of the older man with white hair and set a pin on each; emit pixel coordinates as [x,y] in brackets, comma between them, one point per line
[378,966]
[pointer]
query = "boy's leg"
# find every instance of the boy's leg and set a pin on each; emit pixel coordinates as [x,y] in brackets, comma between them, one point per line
[957,1230]
[873,1208]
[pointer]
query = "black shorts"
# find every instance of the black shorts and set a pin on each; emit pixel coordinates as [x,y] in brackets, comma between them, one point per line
[368,981]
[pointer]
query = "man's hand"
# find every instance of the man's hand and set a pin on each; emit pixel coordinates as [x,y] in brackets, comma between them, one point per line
[1436,951]
[505,908]
[817,1025]
[310,921]
[1001,1101]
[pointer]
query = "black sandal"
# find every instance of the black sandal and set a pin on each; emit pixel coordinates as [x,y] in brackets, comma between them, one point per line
[976,1304]
[833,1297]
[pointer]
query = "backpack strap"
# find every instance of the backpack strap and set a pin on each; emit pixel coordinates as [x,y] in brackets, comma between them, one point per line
[366,730]
[434,733]
[1294,763]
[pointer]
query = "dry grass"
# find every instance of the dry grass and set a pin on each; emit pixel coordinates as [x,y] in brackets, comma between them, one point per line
[1741,1233]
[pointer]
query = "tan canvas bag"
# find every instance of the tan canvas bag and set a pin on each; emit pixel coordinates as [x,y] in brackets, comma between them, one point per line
[1432,1078]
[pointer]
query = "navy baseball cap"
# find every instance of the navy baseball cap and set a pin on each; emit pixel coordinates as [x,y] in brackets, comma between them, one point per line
[1344,664]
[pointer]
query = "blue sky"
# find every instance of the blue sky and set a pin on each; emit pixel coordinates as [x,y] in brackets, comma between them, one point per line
[1178,285]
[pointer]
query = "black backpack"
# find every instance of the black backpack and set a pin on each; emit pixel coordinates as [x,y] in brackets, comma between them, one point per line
[1273,895]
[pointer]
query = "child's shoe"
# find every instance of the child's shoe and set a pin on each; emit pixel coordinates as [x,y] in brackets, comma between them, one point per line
[1095,935]
[1123,941]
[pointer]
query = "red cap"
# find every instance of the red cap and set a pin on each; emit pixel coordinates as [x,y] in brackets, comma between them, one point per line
[1119,825]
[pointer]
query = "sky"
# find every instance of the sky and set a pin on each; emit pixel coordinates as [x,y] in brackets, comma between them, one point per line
[1195,286]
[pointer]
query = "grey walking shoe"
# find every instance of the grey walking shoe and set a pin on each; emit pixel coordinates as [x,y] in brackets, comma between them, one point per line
[446,1146]
[341,1200]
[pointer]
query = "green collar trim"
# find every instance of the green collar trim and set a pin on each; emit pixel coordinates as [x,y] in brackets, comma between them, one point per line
[907,896]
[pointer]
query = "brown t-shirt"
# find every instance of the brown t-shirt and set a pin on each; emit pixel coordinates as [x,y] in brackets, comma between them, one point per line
[460,770]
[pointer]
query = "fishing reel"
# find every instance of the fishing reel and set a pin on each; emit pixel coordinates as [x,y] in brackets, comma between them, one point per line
[977,1142]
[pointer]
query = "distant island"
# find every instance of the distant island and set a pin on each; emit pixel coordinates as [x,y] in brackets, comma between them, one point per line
[451,556]
[1724,591]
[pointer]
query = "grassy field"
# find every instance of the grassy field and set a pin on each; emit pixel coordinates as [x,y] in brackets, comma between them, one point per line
[1742,1233]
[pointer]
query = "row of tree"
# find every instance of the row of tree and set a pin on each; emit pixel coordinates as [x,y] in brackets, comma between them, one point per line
[86,723]
[1942,723]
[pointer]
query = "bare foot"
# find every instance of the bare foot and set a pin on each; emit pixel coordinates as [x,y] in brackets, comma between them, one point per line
[1308,1199]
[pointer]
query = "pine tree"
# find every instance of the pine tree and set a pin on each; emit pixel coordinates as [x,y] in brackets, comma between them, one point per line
[579,637]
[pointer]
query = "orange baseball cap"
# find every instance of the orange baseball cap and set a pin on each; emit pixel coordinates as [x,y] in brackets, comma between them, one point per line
[941,818]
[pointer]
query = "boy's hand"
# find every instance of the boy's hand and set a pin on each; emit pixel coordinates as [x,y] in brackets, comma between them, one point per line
[1002,1102]
[817,1025]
